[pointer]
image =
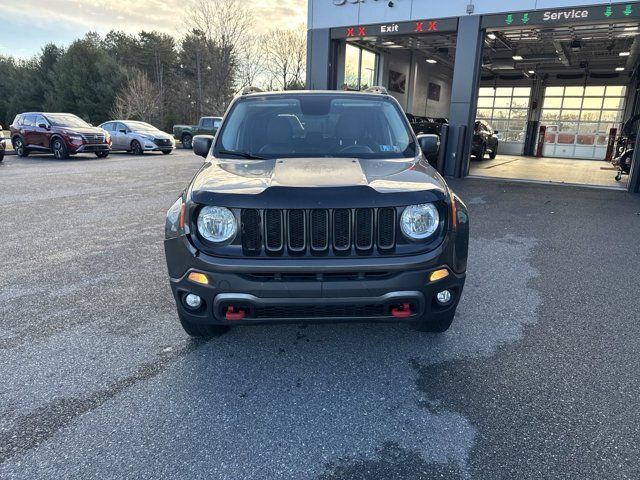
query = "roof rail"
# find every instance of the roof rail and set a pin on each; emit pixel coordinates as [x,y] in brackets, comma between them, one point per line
[377,89]
[250,89]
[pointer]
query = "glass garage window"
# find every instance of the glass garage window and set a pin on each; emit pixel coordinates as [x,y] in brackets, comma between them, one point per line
[360,68]
[578,119]
[506,110]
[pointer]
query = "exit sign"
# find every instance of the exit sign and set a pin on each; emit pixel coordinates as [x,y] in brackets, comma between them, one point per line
[594,13]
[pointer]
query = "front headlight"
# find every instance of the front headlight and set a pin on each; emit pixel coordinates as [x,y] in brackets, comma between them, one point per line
[77,138]
[419,221]
[217,224]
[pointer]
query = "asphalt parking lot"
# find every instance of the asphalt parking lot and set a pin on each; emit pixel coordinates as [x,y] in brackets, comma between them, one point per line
[537,379]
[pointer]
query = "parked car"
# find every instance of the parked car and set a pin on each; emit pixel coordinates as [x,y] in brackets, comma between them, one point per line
[206,126]
[62,134]
[138,137]
[3,145]
[485,139]
[426,125]
[347,222]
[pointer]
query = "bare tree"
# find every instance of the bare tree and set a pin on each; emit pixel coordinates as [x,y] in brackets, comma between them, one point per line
[138,100]
[251,67]
[286,56]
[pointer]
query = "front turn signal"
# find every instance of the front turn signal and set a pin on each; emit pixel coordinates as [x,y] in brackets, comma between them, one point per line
[198,277]
[438,275]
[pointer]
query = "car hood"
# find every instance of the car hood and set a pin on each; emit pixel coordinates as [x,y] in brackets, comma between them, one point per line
[82,131]
[253,177]
[156,134]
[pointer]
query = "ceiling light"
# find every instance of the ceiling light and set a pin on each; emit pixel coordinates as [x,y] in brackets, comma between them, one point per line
[619,69]
[388,43]
[624,54]
[492,36]
[517,58]
[531,72]
[394,46]
[630,29]
[431,60]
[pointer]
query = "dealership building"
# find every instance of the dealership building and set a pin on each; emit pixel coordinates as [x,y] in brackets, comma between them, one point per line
[554,81]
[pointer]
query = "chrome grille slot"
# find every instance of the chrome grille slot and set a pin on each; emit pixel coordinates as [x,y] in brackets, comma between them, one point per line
[342,230]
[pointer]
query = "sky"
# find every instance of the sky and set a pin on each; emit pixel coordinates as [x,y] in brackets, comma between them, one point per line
[34,23]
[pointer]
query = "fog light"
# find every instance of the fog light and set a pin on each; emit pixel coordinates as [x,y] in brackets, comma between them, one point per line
[194,301]
[444,297]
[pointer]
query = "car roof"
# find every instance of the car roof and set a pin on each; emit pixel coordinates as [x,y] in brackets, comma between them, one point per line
[316,92]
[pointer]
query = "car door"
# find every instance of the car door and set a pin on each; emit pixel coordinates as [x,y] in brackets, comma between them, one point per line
[28,130]
[206,127]
[41,132]
[120,136]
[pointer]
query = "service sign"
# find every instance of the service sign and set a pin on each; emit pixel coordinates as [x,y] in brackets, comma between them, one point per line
[566,16]
[414,27]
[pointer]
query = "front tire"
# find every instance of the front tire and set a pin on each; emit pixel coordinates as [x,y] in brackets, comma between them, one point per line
[494,152]
[136,148]
[187,142]
[102,154]
[18,146]
[481,152]
[202,331]
[59,149]
[166,152]
[435,325]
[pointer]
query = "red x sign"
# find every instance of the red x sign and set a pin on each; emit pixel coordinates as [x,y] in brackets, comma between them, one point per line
[433,26]
[361,31]
[419,26]
[350,32]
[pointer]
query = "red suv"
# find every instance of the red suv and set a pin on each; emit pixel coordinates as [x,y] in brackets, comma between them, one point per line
[62,134]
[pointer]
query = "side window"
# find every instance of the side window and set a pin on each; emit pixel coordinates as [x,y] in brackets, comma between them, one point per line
[40,120]
[108,127]
[207,123]
[29,121]
[120,127]
[216,123]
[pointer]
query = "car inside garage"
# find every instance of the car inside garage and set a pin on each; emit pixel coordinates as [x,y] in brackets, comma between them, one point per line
[556,97]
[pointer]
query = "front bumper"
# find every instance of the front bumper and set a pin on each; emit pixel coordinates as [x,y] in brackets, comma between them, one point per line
[312,290]
[90,148]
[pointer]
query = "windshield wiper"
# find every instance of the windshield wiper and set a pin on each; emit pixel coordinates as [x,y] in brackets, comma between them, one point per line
[247,155]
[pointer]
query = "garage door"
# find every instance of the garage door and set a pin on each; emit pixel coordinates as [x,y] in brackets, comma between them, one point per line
[578,120]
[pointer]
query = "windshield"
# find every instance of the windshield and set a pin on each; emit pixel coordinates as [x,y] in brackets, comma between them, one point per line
[65,120]
[141,127]
[316,125]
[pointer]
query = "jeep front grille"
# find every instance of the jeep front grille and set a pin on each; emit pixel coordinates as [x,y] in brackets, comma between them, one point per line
[318,231]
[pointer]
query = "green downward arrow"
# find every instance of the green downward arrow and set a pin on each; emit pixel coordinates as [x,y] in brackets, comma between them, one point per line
[627,11]
[525,18]
[509,19]
[608,12]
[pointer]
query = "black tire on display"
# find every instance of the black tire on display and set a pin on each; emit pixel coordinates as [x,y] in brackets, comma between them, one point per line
[19,147]
[187,142]
[439,325]
[59,149]
[102,154]
[202,331]
[136,148]
[494,152]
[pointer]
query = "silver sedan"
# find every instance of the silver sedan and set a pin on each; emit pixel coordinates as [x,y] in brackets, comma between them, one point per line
[138,137]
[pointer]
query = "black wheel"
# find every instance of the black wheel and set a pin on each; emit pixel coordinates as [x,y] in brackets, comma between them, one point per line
[494,152]
[102,154]
[166,152]
[618,177]
[187,142]
[136,148]
[481,152]
[59,149]
[1,155]
[200,330]
[19,147]
[435,325]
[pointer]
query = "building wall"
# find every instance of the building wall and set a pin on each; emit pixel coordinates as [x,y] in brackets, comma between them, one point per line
[439,75]
[326,14]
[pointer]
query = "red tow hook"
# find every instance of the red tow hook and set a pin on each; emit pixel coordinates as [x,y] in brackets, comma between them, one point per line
[234,313]
[403,311]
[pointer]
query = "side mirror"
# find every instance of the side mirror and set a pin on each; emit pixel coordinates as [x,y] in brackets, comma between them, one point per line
[123,130]
[202,145]
[430,146]
[43,125]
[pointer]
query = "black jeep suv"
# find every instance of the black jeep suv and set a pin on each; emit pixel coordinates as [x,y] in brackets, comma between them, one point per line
[315,206]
